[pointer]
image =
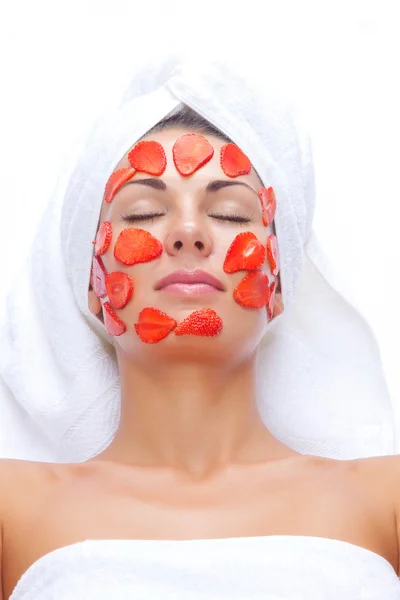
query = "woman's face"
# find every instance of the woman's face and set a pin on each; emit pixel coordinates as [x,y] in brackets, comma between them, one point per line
[196,219]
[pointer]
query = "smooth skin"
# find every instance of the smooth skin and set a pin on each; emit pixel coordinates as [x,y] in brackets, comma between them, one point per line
[192,457]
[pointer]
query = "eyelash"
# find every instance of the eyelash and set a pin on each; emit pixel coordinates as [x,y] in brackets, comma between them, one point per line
[151,216]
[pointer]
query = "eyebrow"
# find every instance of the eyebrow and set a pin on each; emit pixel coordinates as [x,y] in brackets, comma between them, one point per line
[213,186]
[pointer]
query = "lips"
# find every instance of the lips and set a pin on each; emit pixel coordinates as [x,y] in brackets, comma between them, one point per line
[190,278]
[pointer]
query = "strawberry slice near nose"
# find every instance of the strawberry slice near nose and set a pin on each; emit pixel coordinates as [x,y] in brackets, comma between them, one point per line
[103,238]
[253,290]
[119,288]
[203,322]
[113,323]
[148,157]
[233,161]
[136,246]
[154,325]
[99,274]
[273,254]
[116,181]
[190,152]
[245,253]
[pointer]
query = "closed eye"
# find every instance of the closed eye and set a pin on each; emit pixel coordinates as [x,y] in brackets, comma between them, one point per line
[235,218]
[144,217]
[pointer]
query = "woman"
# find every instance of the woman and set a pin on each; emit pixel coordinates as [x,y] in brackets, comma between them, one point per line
[185,373]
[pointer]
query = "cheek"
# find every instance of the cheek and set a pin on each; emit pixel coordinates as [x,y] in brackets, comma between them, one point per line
[247,253]
[131,247]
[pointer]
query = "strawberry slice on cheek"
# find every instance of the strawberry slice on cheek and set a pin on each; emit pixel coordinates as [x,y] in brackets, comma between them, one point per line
[136,246]
[113,323]
[273,254]
[245,253]
[98,279]
[253,291]
[119,288]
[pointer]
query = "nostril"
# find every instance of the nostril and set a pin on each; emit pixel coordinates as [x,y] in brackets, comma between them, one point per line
[199,245]
[178,245]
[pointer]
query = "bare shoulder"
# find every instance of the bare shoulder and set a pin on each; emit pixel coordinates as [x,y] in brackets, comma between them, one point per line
[20,480]
[379,471]
[380,478]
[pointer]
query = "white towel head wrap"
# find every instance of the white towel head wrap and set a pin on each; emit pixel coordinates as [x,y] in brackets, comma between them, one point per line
[321,386]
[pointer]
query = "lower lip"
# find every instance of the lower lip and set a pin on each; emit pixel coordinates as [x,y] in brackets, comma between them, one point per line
[190,289]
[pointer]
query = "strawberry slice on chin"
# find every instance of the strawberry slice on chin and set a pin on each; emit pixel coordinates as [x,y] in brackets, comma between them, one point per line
[154,325]
[204,322]
[245,253]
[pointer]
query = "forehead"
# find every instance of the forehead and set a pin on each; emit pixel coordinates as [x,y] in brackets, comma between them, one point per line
[211,170]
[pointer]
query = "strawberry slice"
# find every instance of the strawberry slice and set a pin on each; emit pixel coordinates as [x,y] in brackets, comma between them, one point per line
[233,161]
[154,325]
[271,301]
[148,157]
[116,181]
[273,254]
[204,322]
[119,288]
[253,290]
[136,246]
[245,252]
[268,204]
[190,152]
[113,324]
[103,238]
[99,277]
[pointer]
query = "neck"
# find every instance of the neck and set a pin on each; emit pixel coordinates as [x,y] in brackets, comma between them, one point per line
[194,417]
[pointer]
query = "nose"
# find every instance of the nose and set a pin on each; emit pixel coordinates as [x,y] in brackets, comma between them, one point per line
[188,238]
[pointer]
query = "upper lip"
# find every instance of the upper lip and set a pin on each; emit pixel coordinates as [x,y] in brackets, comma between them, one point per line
[196,276]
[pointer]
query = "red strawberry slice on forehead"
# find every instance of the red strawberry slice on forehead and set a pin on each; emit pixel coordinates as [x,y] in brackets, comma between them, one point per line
[245,253]
[253,290]
[136,246]
[190,152]
[119,288]
[154,325]
[233,161]
[116,181]
[148,157]
[203,322]
[113,324]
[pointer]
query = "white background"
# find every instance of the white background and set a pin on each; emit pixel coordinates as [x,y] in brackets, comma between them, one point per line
[59,62]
